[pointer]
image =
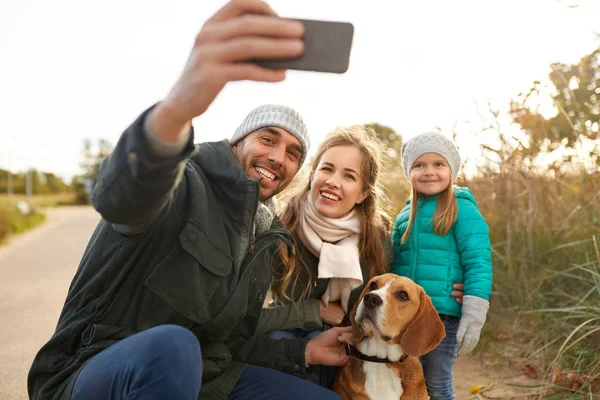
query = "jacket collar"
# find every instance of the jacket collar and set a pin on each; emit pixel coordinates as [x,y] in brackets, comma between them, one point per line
[229,182]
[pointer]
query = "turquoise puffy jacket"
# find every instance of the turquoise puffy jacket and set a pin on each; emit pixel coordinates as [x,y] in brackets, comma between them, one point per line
[436,262]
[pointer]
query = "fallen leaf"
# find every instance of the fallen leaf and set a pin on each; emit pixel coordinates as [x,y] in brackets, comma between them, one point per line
[476,389]
[530,371]
[501,335]
[557,376]
[574,381]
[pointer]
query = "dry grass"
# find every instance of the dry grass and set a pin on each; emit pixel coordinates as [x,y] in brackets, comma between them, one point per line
[544,316]
[44,200]
[13,221]
[545,234]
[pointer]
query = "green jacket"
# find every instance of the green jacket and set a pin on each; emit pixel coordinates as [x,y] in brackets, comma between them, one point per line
[305,314]
[171,248]
[436,262]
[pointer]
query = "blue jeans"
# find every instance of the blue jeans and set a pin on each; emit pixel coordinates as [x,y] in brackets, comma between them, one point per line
[258,383]
[165,363]
[159,363]
[439,362]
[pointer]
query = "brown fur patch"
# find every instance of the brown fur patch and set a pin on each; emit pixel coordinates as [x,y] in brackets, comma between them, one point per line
[413,323]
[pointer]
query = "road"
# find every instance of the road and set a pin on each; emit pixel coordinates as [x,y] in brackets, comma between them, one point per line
[36,269]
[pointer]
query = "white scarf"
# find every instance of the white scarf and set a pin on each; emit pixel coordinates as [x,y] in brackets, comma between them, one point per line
[335,242]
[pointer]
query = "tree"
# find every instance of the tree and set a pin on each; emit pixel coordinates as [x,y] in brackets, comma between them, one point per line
[90,165]
[391,141]
[577,101]
[42,182]
[392,179]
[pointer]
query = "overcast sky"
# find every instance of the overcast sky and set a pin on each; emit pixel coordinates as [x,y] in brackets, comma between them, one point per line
[72,70]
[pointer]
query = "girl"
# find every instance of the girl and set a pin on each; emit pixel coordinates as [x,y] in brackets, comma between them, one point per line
[439,238]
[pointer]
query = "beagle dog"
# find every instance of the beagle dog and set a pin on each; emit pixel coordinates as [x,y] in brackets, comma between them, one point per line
[394,322]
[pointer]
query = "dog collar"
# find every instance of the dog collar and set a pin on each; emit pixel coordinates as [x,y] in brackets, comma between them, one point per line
[352,351]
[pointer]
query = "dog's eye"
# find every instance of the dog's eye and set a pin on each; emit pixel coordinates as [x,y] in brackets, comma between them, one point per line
[373,286]
[402,295]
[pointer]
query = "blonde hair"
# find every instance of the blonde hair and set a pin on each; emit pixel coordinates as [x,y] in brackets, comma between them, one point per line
[445,214]
[374,221]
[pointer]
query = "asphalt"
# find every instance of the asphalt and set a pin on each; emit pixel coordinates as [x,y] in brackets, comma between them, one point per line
[36,269]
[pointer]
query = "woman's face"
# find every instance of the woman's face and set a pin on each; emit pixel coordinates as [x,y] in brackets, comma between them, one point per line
[337,184]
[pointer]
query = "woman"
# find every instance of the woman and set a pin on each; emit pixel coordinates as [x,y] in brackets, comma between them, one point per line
[341,235]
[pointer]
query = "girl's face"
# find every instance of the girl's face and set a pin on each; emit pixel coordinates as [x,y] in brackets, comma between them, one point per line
[337,183]
[430,174]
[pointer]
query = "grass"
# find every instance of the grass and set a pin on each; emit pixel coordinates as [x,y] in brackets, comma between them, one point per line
[13,221]
[546,300]
[43,200]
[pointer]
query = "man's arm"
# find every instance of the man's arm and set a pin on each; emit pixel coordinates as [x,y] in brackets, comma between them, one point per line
[294,355]
[242,30]
[135,185]
[303,315]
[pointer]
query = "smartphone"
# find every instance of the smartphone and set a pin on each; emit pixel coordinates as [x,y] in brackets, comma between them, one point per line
[327,46]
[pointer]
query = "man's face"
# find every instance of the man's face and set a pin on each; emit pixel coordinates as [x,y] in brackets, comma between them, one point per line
[272,154]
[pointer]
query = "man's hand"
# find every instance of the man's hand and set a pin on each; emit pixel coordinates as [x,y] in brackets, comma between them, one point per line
[242,30]
[327,349]
[458,292]
[332,313]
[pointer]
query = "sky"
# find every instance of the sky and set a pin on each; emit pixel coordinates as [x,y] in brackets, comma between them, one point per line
[72,70]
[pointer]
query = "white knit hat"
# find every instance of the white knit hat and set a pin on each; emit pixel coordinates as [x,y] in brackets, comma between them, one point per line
[430,142]
[283,117]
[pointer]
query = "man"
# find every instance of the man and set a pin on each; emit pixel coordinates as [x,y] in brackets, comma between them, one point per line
[169,290]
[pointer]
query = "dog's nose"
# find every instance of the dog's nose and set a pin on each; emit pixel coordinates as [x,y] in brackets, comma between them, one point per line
[372,300]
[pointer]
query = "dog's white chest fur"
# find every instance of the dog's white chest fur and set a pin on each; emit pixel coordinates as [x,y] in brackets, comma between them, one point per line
[381,383]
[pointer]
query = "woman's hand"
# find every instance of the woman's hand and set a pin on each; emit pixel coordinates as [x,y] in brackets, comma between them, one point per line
[458,292]
[332,313]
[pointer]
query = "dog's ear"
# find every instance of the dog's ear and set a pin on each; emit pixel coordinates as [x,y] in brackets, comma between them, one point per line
[357,332]
[425,331]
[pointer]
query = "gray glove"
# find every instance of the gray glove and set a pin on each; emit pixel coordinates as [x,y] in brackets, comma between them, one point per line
[474,310]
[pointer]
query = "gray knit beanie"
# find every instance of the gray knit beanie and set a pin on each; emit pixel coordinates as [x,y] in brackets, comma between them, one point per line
[283,117]
[430,142]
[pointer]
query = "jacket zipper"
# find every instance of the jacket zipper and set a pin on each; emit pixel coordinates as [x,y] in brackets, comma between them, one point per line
[246,264]
[251,227]
[415,234]
[274,233]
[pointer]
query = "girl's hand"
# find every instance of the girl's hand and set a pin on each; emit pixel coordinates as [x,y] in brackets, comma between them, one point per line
[474,313]
[332,313]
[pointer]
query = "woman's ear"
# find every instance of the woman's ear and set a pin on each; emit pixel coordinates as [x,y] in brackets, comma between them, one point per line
[362,197]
